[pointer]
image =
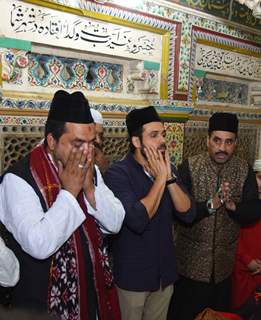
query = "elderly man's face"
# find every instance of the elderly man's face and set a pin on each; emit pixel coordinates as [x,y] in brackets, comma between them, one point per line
[221,145]
[75,136]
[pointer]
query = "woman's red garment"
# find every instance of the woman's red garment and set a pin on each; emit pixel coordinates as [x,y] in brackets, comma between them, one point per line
[210,314]
[249,248]
[230,316]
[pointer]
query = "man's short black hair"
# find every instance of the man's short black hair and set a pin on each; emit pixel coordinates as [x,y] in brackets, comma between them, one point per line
[136,133]
[56,128]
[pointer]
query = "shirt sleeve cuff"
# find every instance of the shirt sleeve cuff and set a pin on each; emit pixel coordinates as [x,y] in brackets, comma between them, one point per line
[73,201]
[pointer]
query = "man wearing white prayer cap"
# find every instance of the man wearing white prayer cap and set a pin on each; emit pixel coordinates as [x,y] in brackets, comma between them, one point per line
[97,116]
[257,170]
[100,158]
[257,166]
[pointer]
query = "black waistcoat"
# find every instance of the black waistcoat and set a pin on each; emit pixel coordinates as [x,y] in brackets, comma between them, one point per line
[31,292]
[32,288]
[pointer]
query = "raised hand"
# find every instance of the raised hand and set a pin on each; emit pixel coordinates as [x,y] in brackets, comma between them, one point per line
[72,174]
[168,164]
[226,192]
[88,186]
[254,266]
[222,197]
[156,165]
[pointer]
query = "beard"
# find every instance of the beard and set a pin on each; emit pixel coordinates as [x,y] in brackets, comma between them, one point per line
[162,148]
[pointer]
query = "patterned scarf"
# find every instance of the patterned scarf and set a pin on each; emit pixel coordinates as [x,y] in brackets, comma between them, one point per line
[67,294]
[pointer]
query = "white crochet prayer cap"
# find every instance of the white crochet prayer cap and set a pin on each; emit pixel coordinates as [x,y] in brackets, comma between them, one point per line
[257,165]
[97,116]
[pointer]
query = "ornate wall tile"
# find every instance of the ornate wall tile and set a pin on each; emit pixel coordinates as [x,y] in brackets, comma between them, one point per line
[217,53]
[68,73]
[241,115]
[243,15]
[220,8]
[12,103]
[223,91]
[175,139]
[34,105]
[227,9]
[187,20]
[22,121]
[13,61]
[141,36]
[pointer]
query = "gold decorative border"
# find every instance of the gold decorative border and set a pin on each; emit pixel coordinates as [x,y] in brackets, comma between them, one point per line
[255,122]
[224,108]
[49,96]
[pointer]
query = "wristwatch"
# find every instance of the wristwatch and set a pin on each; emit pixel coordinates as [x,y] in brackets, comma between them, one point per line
[173,179]
[210,206]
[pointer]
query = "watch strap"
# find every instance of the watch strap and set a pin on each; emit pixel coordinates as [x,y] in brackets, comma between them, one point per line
[210,206]
[173,179]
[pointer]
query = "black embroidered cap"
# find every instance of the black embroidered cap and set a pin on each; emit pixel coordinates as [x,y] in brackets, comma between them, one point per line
[138,117]
[66,107]
[223,121]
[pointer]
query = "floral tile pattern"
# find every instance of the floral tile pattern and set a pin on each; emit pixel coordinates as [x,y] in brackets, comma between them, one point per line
[13,62]
[188,20]
[226,9]
[68,73]
[175,139]
[223,91]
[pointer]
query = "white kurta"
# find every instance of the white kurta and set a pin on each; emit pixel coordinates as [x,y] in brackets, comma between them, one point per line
[9,266]
[40,233]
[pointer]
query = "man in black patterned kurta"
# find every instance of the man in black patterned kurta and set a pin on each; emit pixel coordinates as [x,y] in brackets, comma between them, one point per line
[220,183]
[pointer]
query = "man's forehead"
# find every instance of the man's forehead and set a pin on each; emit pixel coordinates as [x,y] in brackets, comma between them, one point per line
[74,126]
[80,129]
[222,134]
[153,126]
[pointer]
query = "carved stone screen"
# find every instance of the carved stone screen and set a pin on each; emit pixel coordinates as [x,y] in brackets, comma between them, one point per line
[17,141]
[195,141]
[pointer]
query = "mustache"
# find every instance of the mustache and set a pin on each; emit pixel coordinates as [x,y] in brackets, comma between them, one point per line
[162,147]
[221,153]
